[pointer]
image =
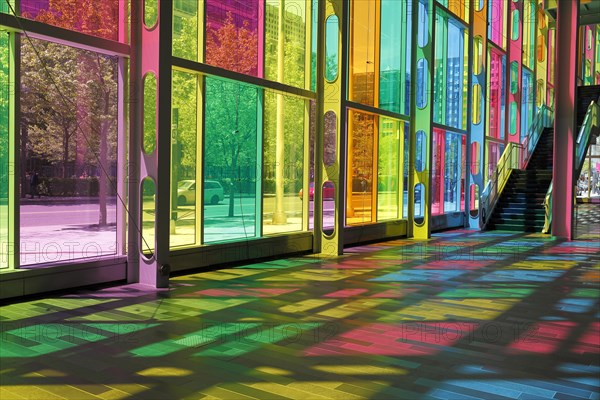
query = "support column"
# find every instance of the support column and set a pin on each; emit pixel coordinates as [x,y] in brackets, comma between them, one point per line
[564,118]
[331,93]
[148,262]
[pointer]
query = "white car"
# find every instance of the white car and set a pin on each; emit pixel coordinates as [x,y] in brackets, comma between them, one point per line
[186,192]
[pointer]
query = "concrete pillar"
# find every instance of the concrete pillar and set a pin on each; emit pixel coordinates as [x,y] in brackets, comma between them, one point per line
[565,129]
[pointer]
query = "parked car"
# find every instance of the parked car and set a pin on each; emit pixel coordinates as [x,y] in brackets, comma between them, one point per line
[186,192]
[328,191]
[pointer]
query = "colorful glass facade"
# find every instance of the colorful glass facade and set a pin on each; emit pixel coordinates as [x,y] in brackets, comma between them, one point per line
[270,119]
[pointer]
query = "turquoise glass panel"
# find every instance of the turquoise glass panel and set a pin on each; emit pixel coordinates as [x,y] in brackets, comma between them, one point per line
[422,87]
[331,48]
[423,24]
[419,203]
[4,149]
[231,159]
[421,154]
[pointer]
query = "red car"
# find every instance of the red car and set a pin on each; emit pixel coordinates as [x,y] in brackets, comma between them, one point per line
[328,191]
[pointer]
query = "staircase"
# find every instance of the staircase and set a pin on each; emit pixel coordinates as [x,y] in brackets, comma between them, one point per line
[520,207]
[585,95]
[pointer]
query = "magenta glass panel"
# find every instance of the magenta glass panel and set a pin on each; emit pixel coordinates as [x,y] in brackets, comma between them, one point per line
[496,15]
[437,204]
[93,17]
[68,157]
[496,94]
[232,35]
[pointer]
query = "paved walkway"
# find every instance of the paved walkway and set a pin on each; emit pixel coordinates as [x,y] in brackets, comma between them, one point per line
[465,315]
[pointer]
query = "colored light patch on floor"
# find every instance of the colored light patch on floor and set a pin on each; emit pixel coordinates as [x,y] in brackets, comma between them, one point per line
[304,305]
[589,277]
[210,333]
[248,292]
[279,264]
[43,339]
[363,264]
[364,369]
[570,249]
[394,293]
[506,389]
[516,275]
[348,309]
[394,340]
[576,305]
[32,309]
[254,338]
[542,265]
[486,293]
[591,293]
[324,275]
[223,274]
[542,338]
[346,293]
[558,257]
[589,342]
[448,309]
[454,264]
[418,276]
[164,310]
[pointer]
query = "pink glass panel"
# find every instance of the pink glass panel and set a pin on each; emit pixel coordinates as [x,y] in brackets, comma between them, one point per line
[233,35]
[93,17]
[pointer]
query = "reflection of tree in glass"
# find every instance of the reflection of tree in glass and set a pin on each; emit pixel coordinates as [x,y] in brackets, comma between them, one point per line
[231,47]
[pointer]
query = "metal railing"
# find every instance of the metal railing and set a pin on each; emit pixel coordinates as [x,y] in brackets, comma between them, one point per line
[515,156]
[590,123]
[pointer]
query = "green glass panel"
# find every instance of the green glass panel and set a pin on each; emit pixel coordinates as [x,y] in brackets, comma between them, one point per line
[514,35]
[514,77]
[474,202]
[184,134]
[392,67]
[149,141]
[148,207]
[388,168]
[513,118]
[231,159]
[4,149]
[283,167]
[285,43]
[150,13]
[331,48]
[185,29]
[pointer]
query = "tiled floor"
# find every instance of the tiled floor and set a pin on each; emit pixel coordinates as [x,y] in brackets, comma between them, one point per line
[465,315]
